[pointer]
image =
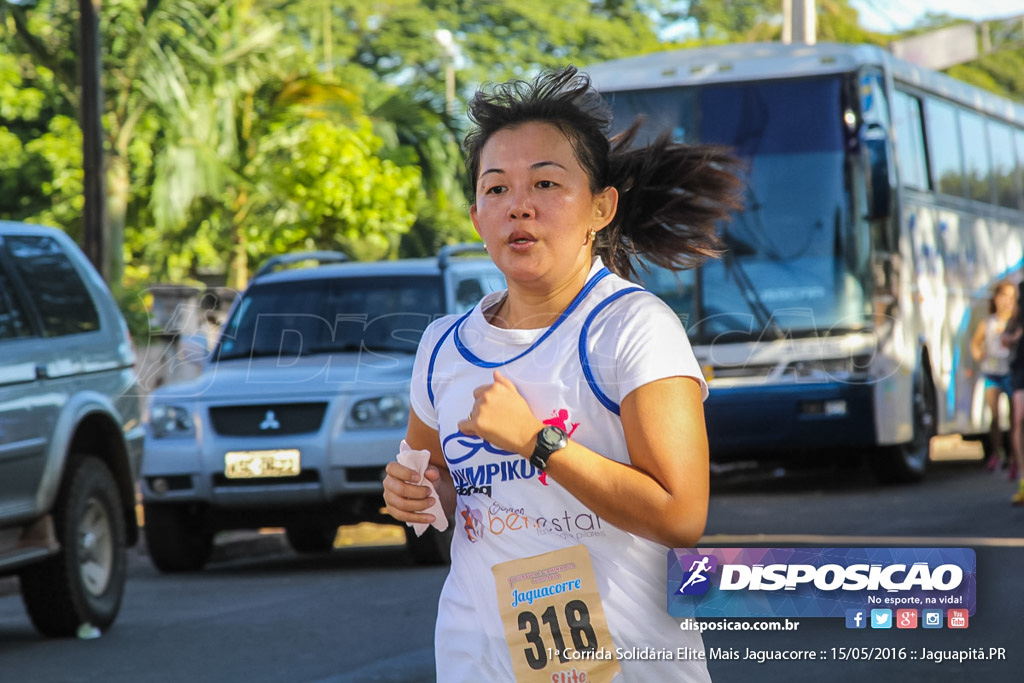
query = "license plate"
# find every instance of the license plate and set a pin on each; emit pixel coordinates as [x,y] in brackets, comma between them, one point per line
[256,464]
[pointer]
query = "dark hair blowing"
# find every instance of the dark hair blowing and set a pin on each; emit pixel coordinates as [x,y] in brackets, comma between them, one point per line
[670,195]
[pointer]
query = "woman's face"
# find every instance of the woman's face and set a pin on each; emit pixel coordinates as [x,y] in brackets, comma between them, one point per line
[1005,299]
[534,208]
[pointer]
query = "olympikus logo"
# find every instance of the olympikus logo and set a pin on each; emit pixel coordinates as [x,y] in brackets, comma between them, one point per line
[459,447]
[484,475]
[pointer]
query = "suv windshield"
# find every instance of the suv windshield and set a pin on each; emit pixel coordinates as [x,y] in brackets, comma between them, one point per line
[332,315]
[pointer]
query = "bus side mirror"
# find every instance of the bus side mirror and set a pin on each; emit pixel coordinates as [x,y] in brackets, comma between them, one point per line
[876,144]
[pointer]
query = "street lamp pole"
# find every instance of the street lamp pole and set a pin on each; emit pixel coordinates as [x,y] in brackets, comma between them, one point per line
[94,221]
[444,38]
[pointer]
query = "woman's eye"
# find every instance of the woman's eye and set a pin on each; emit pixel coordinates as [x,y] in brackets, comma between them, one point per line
[545,184]
[497,189]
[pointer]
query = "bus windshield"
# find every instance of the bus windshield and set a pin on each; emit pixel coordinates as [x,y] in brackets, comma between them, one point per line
[795,263]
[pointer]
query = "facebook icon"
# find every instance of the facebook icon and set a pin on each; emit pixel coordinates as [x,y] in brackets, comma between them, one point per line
[856,618]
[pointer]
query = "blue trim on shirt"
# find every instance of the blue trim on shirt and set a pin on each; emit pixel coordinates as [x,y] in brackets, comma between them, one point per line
[433,356]
[585,361]
[481,363]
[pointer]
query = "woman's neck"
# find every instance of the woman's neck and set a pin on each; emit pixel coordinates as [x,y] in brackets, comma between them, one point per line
[531,308]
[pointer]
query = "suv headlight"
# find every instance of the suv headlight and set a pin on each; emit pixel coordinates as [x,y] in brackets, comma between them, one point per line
[380,412]
[169,421]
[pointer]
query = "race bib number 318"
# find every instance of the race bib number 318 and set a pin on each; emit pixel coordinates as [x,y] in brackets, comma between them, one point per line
[554,622]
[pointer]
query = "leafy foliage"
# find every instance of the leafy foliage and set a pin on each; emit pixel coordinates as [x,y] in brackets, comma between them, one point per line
[339,193]
[238,130]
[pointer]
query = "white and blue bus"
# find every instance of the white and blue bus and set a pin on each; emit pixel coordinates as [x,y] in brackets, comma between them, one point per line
[883,201]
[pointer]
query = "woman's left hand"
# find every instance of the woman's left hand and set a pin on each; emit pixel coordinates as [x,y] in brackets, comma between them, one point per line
[501,416]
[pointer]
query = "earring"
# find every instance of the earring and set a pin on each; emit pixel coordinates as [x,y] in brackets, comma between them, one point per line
[591,237]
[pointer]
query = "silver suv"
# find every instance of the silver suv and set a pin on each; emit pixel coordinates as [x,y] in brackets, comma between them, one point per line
[70,432]
[302,402]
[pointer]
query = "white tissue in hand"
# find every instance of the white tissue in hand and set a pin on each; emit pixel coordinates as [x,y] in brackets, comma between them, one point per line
[418,461]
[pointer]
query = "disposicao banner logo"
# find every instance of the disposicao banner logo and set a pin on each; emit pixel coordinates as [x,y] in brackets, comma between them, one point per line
[817,582]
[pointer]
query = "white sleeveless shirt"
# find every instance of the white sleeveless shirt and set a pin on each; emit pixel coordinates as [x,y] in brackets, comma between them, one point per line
[996,361]
[506,511]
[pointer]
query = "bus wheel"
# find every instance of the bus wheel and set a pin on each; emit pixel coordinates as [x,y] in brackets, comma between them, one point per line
[906,463]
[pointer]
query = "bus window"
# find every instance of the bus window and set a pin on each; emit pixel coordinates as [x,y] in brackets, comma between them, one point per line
[977,167]
[774,118]
[944,147]
[911,160]
[1004,166]
[662,110]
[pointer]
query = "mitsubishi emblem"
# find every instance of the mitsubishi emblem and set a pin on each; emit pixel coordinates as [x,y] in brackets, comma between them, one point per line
[270,421]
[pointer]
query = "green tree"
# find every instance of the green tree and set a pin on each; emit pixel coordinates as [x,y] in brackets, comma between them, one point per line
[260,152]
[41,161]
[731,19]
[337,192]
[44,36]
[496,40]
[394,44]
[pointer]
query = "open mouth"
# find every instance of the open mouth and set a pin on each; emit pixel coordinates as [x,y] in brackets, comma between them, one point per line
[521,239]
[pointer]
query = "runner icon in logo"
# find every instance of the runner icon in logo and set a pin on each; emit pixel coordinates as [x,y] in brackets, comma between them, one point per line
[560,419]
[696,582]
[474,526]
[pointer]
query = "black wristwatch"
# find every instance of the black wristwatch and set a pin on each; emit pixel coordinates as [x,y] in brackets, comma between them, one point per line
[549,440]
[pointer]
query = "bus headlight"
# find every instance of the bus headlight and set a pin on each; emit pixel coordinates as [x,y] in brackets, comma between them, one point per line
[380,412]
[847,369]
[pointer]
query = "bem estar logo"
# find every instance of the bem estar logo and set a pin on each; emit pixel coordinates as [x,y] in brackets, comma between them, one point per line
[695,581]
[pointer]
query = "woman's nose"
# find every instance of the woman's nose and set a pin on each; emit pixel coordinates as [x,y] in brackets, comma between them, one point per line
[520,206]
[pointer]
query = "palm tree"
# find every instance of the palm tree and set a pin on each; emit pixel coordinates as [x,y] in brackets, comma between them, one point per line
[209,84]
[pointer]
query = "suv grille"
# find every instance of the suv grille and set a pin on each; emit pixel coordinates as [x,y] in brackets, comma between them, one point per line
[277,419]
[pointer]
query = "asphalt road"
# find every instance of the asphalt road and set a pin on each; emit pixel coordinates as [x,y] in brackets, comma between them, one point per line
[262,614]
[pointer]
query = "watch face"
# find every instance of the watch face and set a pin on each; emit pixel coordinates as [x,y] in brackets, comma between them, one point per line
[553,437]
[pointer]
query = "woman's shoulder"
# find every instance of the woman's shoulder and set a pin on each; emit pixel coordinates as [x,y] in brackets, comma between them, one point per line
[631,294]
[438,328]
[628,307]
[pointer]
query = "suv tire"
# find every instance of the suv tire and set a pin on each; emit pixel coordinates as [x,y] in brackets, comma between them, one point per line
[84,582]
[175,540]
[312,538]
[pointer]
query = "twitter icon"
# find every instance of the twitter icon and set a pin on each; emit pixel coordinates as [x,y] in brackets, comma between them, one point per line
[881,618]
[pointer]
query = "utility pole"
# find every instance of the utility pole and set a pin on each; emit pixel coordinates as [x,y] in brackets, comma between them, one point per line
[446,40]
[94,215]
[799,22]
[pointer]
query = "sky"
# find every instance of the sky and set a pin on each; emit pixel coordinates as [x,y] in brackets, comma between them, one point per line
[888,16]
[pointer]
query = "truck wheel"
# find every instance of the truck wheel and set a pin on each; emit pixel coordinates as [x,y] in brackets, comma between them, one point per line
[84,582]
[433,547]
[175,539]
[311,539]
